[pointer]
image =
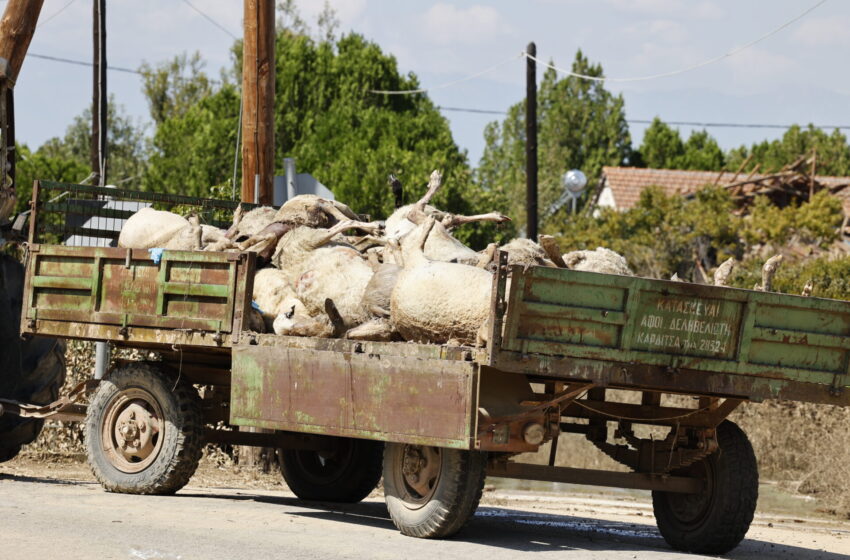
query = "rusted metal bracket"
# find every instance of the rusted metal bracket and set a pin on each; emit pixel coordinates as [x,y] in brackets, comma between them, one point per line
[64,408]
[498,305]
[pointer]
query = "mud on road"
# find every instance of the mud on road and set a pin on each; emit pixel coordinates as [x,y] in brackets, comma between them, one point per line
[50,510]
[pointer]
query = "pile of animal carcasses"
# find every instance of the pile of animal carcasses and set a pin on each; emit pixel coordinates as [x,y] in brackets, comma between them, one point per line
[407,278]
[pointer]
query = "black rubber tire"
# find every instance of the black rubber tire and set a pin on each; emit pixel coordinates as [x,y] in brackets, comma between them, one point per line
[347,474]
[181,444]
[455,496]
[716,521]
[33,369]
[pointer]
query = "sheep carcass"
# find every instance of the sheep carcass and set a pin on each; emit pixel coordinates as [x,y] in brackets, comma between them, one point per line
[441,244]
[149,228]
[601,260]
[321,267]
[314,211]
[435,301]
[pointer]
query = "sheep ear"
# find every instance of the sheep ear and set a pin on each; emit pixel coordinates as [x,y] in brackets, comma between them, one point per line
[290,313]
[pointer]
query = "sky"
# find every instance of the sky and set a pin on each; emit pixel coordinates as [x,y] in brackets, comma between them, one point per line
[795,76]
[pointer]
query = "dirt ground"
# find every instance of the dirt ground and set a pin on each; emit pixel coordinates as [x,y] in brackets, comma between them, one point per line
[53,508]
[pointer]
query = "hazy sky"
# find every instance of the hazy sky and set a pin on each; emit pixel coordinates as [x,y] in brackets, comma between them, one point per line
[795,76]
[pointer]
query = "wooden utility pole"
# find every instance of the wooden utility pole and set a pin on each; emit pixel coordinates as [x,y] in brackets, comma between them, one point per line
[258,67]
[531,142]
[99,100]
[16,29]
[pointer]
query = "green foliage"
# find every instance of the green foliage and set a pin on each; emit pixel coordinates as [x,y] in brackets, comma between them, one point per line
[833,152]
[816,222]
[174,86]
[662,148]
[661,234]
[664,234]
[194,151]
[41,165]
[125,163]
[580,125]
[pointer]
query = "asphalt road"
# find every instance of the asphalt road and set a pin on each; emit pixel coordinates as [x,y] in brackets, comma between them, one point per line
[46,517]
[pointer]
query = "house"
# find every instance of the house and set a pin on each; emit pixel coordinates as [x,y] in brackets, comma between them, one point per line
[621,186]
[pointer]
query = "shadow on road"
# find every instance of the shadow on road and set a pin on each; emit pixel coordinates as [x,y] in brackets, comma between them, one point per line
[527,531]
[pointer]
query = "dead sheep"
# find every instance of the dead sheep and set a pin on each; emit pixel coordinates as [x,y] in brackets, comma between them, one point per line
[601,260]
[149,228]
[435,301]
[320,266]
[313,211]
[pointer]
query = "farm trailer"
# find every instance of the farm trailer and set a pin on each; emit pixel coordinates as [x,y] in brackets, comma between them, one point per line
[433,420]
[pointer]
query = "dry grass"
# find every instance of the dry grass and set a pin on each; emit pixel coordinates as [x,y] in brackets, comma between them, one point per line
[801,446]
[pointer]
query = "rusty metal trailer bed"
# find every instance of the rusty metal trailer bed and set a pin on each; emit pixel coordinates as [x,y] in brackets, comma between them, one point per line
[560,343]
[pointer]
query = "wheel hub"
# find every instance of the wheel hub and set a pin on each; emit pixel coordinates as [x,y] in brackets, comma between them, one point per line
[420,469]
[131,431]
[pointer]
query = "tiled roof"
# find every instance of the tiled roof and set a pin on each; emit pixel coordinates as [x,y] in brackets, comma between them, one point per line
[626,183]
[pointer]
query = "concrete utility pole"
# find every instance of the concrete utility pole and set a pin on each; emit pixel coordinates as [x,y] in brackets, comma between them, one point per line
[258,67]
[531,142]
[99,100]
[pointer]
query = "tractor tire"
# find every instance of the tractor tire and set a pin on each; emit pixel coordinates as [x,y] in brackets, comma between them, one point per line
[346,474]
[33,370]
[432,492]
[144,431]
[715,521]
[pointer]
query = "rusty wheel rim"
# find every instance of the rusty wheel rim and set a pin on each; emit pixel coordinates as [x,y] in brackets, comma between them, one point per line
[132,431]
[420,468]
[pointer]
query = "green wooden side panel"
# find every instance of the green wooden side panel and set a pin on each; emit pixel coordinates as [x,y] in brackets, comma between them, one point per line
[67,286]
[565,313]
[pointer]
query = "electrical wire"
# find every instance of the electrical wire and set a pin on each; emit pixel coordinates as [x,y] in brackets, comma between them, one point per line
[677,123]
[211,20]
[725,55]
[62,9]
[80,62]
[447,84]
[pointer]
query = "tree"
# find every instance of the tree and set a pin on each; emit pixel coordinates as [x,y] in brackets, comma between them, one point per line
[833,152]
[581,125]
[42,165]
[327,118]
[172,87]
[662,148]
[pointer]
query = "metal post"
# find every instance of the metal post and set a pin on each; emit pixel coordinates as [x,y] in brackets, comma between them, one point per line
[531,142]
[99,100]
[99,129]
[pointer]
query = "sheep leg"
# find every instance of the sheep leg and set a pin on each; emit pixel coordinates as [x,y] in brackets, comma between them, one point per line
[417,213]
[451,221]
[487,255]
[335,318]
[379,330]
[552,251]
[379,311]
[332,232]
[256,240]
[237,218]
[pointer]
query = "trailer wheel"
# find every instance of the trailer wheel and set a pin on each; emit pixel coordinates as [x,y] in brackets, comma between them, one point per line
[432,492]
[143,431]
[346,473]
[715,521]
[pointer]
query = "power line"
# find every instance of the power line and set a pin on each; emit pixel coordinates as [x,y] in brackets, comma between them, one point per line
[81,63]
[723,56]
[211,20]
[727,54]
[447,84]
[677,123]
[62,9]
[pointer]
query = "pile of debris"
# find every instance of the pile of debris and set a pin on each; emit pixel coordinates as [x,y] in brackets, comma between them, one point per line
[795,183]
[406,278]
